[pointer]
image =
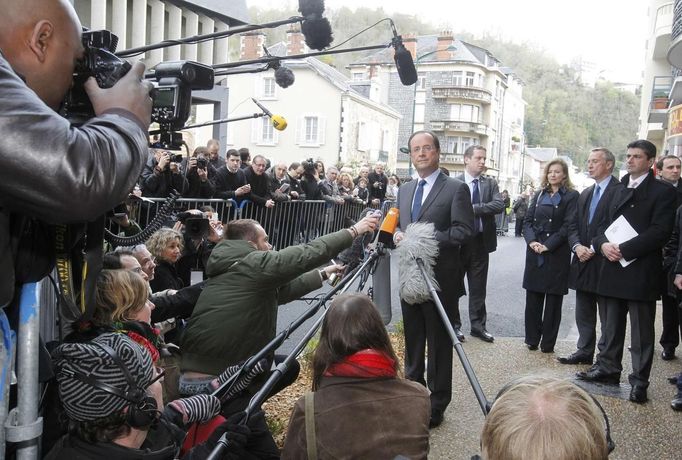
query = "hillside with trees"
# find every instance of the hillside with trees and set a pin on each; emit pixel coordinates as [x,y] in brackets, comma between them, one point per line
[561,112]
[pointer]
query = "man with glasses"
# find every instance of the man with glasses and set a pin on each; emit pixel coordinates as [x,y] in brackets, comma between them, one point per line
[445,202]
[258,180]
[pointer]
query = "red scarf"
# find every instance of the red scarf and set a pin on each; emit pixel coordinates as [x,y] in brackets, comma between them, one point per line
[366,363]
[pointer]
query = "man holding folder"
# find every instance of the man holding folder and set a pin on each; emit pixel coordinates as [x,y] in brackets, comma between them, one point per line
[630,277]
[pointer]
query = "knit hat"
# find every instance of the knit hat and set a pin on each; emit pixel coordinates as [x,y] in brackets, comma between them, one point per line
[75,362]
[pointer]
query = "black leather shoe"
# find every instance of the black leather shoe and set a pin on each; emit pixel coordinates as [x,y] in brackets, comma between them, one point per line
[668,354]
[483,335]
[638,394]
[676,403]
[531,347]
[598,375]
[436,418]
[575,358]
[672,380]
[547,350]
[459,335]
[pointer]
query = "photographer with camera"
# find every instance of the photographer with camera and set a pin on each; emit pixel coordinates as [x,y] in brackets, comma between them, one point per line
[162,175]
[200,174]
[63,174]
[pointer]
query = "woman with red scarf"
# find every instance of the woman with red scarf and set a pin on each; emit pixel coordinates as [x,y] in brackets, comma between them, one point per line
[359,406]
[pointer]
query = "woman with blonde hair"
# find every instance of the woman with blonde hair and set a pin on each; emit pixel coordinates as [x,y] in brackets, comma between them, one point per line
[359,407]
[550,215]
[166,246]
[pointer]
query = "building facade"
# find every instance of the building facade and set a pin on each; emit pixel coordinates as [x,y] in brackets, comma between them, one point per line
[462,93]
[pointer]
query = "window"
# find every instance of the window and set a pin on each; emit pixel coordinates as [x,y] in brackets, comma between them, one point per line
[359,76]
[267,131]
[451,144]
[421,82]
[310,130]
[310,124]
[457,78]
[268,87]
[455,110]
[386,140]
[469,81]
[363,136]
[465,115]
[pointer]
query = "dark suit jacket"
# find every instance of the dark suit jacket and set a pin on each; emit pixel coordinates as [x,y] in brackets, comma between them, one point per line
[548,272]
[448,206]
[491,203]
[650,209]
[585,275]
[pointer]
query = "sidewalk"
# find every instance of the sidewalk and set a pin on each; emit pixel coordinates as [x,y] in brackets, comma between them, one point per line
[649,431]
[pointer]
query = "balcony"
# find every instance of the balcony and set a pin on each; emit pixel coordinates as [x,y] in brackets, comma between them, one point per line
[660,94]
[662,31]
[469,93]
[452,158]
[460,126]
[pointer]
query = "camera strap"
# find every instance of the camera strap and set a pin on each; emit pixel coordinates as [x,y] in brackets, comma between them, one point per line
[90,264]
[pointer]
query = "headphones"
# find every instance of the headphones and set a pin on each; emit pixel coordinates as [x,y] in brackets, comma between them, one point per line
[610,444]
[142,410]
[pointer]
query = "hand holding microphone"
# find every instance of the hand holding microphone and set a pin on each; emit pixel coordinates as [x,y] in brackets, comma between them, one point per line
[366,224]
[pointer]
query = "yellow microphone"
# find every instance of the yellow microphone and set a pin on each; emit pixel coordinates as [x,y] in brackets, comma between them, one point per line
[278,121]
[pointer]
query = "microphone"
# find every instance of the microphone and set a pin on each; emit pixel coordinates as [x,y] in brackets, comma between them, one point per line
[278,121]
[284,77]
[316,30]
[404,63]
[388,227]
[419,241]
[354,255]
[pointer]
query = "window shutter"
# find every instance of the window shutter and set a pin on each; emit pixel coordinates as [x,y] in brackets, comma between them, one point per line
[258,86]
[300,130]
[321,129]
[275,136]
[255,130]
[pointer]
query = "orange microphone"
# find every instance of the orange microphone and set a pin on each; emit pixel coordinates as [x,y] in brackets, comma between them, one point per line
[388,227]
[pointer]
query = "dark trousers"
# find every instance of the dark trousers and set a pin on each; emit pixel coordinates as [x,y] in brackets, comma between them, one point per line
[586,306]
[476,259]
[672,326]
[642,315]
[423,326]
[542,328]
[518,228]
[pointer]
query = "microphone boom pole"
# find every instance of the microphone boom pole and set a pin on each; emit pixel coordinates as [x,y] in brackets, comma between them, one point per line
[468,370]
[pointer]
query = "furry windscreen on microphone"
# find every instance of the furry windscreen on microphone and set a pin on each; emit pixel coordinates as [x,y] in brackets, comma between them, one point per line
[284,77]
[419,242]
[317,32]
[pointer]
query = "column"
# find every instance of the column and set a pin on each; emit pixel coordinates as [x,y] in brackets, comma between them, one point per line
[191,29]
[98,14]
[221,48]
[156,31]
[173,53]
[206,48]
[139,25]
[119,15]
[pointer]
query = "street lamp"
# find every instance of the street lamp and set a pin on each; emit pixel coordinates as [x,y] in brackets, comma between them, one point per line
[414,98]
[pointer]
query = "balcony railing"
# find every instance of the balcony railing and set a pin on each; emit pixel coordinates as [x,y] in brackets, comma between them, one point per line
[660,93]
[452,158]
[462,92]
[462,126]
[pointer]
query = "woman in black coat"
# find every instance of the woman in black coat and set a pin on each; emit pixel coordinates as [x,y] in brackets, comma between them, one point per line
[546,226]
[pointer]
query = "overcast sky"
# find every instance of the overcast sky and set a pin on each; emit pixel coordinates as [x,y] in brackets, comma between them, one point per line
[610,33]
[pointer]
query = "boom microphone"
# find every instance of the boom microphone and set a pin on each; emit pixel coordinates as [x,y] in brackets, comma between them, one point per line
[419,241]
[284,77]
[278,121]
[404,63]
[316,29]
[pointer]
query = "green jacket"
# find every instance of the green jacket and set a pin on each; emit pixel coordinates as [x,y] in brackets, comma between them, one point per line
[236,314]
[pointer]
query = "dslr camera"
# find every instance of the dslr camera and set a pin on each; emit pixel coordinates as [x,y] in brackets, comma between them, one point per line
[202,163]
[196,227]
[171,96]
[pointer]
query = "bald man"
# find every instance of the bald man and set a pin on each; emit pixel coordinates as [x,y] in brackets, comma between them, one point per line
[49,171]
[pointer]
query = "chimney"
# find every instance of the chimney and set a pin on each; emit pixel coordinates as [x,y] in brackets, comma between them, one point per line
[251,46]
[410,42]
[295,41]
[444,41]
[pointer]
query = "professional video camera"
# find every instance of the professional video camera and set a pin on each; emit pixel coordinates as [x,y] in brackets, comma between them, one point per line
[171,96]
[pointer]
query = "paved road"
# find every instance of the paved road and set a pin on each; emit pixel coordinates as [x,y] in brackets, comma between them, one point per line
[505,300]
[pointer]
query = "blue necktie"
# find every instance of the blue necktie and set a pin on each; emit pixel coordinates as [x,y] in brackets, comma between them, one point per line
[594,203]
[476,199]
[417,205]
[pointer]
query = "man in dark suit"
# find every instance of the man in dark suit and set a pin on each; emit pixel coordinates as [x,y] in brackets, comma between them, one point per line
[669,168]
[487,201]
[648,205]
[446,203]
[593,206]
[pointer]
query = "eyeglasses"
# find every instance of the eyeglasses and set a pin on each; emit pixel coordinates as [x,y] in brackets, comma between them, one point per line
[426,148]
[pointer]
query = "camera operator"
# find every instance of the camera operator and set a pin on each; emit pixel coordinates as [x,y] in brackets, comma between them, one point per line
[162,175]
[200,175]
[51,171]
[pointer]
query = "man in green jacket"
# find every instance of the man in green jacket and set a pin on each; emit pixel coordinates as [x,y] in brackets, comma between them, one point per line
[236,314]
